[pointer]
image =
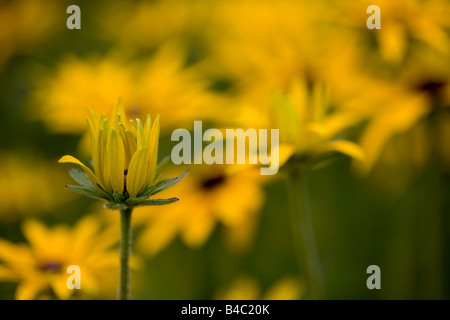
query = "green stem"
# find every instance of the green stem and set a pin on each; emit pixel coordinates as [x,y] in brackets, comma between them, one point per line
[125,246]
[303,232]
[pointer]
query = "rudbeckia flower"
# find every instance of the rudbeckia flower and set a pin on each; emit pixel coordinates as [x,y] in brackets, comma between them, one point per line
[40,266]
[215,196]
[311,131]
[124,157]
[248,288]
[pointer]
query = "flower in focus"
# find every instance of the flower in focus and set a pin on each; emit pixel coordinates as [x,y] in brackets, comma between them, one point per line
[40,267]
[212,195]
[124,156]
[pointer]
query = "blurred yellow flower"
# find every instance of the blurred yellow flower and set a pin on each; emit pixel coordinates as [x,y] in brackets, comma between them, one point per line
[407,26]
[309,127]
[28,186]
[247,288]
[396,104]
[40,267]
[150,23]
[257,45]
[211,195]
[261,46]
[22,26]
[160,84]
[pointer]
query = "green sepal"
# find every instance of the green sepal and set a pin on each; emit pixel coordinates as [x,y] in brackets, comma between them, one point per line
[106,193]
[81,177]
[134,201]
[91,193]
[162,163]
[156,202]
[162,185]
[118,197]
[115,206]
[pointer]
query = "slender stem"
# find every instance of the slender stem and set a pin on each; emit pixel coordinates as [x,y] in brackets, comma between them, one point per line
[125,246]
[303,232]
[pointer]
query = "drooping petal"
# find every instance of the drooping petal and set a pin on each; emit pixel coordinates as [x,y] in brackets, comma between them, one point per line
[91,175]
[114,161]
[137,172]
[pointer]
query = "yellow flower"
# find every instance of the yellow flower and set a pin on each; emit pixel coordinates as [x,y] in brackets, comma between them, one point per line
[247,288]
[40,267]
[309,128]
[22,27]
[265,56]
[160,84]
[151,23]
[406,28]
[212,195]
[124,156]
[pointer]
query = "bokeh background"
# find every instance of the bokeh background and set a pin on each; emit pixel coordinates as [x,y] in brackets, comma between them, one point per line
[230,63]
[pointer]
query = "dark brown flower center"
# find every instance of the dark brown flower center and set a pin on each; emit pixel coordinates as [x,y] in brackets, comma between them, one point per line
[52,266]
[213,183]
[432,87]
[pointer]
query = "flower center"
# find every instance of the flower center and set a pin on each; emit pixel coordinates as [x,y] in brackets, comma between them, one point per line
[51,266]
[213,183]
[434,89]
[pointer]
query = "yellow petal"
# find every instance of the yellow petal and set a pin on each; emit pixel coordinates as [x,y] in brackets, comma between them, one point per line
[140,135]
[105,126]
[95,119]
[101,155]
[7,275]
[147,127]
[105,169]
[91,175]
[345,147]
[94,147]
[131,146]
[392,43]
[285,153]
[29,289]
[58,282]
[153,148]
[319,102]
[114,161]
[137,172]
[287,288]
[119,109]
